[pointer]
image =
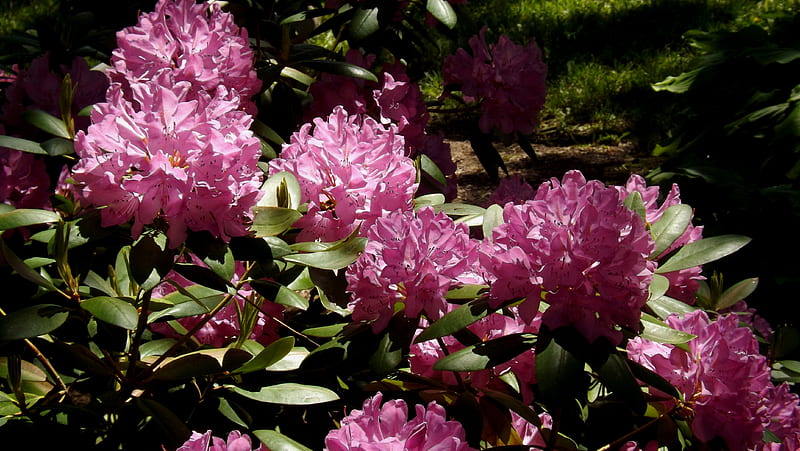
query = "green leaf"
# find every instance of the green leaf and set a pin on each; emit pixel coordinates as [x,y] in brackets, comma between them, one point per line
[703,251]
[491,219]
[466,291]
[190,307]
[234,412]
[291,298]
[28,371]
[150,260]
[267,132]
[429,200]
[281,190]
[291,361]
[156,347]
[462,210]
[269,356]
[559,374]
[387,356]
[455,320]
[201,363]
[340,68]
[670,227]
[325,331]
[288,394]
[364,23]
[659,332]
[24,217]
[32,321]
[337,258]
[272,221]
[658,286]
[25,271]
[113,311]
[47,122]
[678,84]
[486,354]
[652,378]
[664,306]
[442,11]
[615,374]
[24,145]
[174,429]
[59,146]
[275,441]
[635,203]
[429,167]
[736,293]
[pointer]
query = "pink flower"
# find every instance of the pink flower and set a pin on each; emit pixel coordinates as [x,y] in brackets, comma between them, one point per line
[424,355]
[414,259]
[530,434]
[199,43]
[24,182]
[351,170]
[723,378]
[511,189]
[206,442]
[577,247]
[171,157]
[683,283]
[784,415]
[386,427]
[508,80]
[224,327]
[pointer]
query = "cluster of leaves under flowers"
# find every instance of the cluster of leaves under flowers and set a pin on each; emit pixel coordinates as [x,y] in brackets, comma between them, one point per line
[502,325]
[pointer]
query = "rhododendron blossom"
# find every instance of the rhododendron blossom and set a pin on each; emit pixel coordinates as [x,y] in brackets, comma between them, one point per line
[511,189]
[165,158]
[683,283]
[409,258]
[724,381]
[351,170]
[385,427]
[508,79]
[577,247]
[236,441]
[24,182]
[197,42]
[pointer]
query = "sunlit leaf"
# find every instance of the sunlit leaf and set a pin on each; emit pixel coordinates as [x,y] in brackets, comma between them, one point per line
[442,11]
[325,331]
[467,291]
[275,441]
[364,23]
[24,217]
[24,145]
[462,209]
[635,203]
[486,354]
[704,251]
[670,227]
[427,166]
[58,146]
[272,221]
[337,258]
[290,361]
[664,306]
[28,371]
[455,320]
[281,190]
[47,122]
[736,293]
[201,363]
[288,394]
[273,353]
[659,332]
[234,412]
[113,311]
[429,200]
[492,218]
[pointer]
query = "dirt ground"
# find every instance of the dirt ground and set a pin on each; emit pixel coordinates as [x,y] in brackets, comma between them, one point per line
[610,164]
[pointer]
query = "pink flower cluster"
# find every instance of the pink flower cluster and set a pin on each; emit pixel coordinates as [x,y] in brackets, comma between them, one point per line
[724,381]
[236,441]
[224,327]
[508,80]
[168,149]
[384,427]
[410,258]
[511,189]
[352,170]
[683,283]
[395,100]
[424,355]
[24,182]
[578,248]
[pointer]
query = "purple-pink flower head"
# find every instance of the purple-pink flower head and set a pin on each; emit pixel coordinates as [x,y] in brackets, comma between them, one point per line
[351,170]
[723,379]
[683,283]
[224,327]
[236,441]
[425,354]
[170,158]
[24,182]
[409,258]
[387,427]
[511,189]
[198,42]
[578,248]
[508,79]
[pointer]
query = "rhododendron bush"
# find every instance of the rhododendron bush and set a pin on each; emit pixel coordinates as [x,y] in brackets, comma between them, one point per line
[228,236]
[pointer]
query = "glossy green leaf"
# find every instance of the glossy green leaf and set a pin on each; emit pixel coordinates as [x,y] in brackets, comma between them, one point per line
[659,332]
[492,218]
[658,286]
[615,374]
[28,371]
[58,146]
[281,190]
[513,404]
[150,260]
[24,217]
[47,122]
[387,356]
[156,347]
[272,221]
[277,247]
[325,331]
[201,363]
[455,320]
[429,200]
[340,68]
[290,361]
[291,298]
[467,291]
[235,413]
[462,209]
[671,226]
[113,311]
[559,373]
[24,145]
[32,321]
[652,378]
[486,354]
[427,166]
[219,259]
[635,203]
[664,306]
[288,394]
[736,293]
[273,353]
[364,23]
[442,11]
[190,307]
[275,441]
[337,258]
[703,251]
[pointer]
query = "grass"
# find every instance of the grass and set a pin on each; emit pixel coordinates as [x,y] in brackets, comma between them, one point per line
[603,56]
